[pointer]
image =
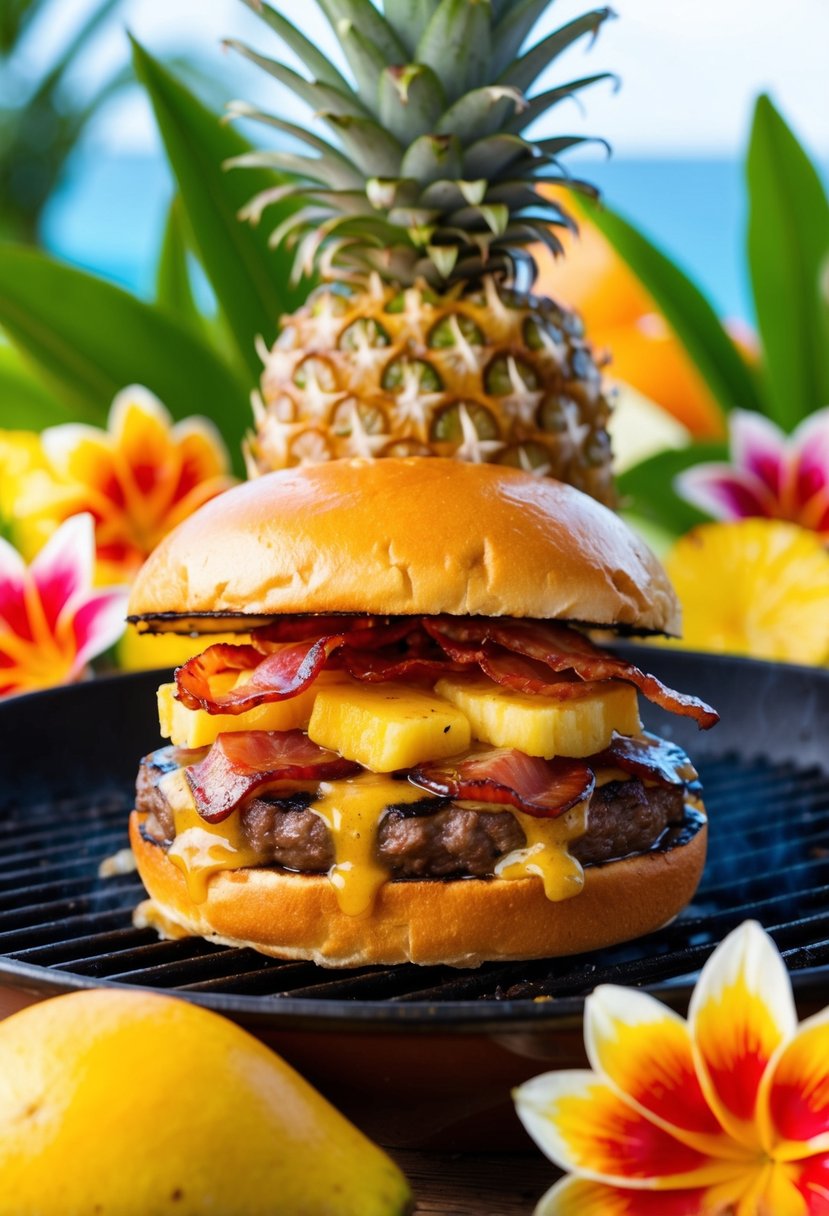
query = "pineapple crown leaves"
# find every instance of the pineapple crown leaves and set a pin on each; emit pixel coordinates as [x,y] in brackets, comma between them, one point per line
[428,172]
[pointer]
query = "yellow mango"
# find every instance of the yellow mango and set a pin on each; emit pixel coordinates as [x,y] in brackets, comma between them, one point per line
[194,1116]
[541,726]
[386,727]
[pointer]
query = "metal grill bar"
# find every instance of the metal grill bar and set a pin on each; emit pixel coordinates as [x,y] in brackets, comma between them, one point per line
[768,858]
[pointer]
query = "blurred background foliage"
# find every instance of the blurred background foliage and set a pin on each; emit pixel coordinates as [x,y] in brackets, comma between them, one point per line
[42,116]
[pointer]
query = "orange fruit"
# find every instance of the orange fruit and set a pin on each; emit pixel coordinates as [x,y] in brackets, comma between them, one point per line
[647,356]
[136,1104]
[622,320]
[592,278]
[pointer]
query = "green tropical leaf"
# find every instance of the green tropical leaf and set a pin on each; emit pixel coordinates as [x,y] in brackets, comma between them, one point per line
[788,252]
[647,489]
[173,286]
[318,64]
[433,158]
[409,18]
[514,29]
[481,112]
[492,156]
[374,151]
[316,95]
[366,60]
[685,308]
[26,404]
[457,45]
[89,339]
[524,72]
[251,280]
[540,104]
[72,49]
[363,16]
[411,100]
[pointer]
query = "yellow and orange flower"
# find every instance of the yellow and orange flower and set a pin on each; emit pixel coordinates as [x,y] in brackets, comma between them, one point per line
[138,479]
[21,463]
[726,1114]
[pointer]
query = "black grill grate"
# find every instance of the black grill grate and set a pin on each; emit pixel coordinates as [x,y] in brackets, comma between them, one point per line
[62,926]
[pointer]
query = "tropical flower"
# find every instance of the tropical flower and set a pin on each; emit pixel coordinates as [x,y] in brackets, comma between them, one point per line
[756,587]
[52,622]
[771,475]
[726,1114]
[138,478]
[21,460]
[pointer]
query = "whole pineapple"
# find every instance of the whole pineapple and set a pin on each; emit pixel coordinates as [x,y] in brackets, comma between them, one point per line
[423,337]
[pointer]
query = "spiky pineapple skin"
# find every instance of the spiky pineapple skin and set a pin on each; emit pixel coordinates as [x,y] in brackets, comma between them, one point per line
[483,374]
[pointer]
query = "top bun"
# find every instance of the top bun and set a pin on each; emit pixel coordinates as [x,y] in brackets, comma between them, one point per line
[418,536]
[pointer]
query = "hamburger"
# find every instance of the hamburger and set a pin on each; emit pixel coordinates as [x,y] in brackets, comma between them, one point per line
[414,752]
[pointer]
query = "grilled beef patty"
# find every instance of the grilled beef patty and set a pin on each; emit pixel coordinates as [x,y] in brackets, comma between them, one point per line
[433,838]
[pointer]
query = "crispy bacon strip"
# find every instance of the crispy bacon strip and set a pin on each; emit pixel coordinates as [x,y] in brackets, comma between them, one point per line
[514,670]
[543,788]
[363,632]
[373,668]
[649,757]
[288,666]
[278,676]
[421,657]
[565,649]
[516,654]
[244,763]
[507,668]
[530,676]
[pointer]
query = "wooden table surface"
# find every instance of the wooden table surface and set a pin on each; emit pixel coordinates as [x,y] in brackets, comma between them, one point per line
[464,1185]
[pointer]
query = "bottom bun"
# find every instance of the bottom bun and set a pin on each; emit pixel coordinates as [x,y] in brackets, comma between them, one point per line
[461,922]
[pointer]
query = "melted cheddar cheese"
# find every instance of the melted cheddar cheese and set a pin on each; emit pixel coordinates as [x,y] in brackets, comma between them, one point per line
[202,849]
[545,854]
[352,811]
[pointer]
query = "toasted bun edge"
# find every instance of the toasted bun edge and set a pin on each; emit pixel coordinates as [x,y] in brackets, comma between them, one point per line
[462,922]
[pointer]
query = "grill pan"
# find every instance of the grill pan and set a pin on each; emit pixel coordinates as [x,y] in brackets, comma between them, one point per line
[414,1055]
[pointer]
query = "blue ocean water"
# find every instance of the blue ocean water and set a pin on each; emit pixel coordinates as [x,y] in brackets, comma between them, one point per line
[110,215]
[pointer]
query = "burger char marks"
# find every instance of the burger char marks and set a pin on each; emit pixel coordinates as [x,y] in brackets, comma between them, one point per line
[431,838]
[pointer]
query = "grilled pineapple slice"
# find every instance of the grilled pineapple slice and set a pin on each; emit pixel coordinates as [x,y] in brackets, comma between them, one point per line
[194,728]
[386,727]
[541,726]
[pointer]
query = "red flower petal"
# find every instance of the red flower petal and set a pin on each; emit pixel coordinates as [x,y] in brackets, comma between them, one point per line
[14,614]
[63,568]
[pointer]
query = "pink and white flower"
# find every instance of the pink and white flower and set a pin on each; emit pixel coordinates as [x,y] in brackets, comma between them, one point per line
[52,620]
[772,475]
[726,1114]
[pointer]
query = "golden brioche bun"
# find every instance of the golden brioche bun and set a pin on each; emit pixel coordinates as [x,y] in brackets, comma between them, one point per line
[418,536]
[462,923]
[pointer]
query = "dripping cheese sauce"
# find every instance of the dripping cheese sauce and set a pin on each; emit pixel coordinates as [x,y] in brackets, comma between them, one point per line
[352,810]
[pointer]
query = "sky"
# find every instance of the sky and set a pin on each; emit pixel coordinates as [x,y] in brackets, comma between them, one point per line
[690,68]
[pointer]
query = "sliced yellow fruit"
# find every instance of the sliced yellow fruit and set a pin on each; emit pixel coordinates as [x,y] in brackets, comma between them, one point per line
[195,728]
[756,587]
[386,727]
[541,726]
